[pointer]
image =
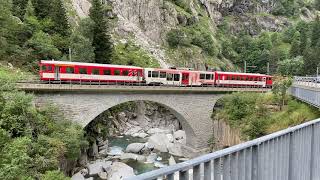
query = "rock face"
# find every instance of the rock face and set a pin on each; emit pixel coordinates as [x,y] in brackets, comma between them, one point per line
[224,135]
[149,21]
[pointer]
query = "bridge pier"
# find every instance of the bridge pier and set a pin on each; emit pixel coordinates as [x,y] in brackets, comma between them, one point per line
[192,110]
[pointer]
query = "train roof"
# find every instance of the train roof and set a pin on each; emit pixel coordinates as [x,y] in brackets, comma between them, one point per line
[238,73]
[87,64]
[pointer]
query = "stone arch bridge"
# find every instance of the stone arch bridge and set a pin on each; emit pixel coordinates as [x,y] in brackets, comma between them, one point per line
[192,106]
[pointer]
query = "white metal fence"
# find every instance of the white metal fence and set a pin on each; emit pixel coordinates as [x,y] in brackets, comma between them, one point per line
[290,154]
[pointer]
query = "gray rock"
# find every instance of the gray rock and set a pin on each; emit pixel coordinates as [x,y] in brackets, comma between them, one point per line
[159,164]
[135,147]
[172,161]
[132,156]
[95,151]
[160,142]
[158,131]
[133,130]
[120,171]
[103,175]
[122,117]
[170,138]
[152,158]
[115,151]
[175,149]
[180,137]
[78,176]
[98,167]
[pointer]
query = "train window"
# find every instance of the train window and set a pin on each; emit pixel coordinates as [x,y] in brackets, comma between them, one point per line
[70,70]
[149,73]
[163,74]
[177,77]
[169,77]
[95,72]
[82,70]
[44,68]
[208,76]
[125,73]
[202,76]
[155,74]
[117,72]
[212,76]
[238,78]
[49,68]
[185,77]
[107,72]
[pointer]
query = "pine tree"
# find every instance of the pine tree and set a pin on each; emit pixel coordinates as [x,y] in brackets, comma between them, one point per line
[42,8]
[295,45]
[29,10]
[101,39]
[19,8]
[315,32]
[317,4]
[60,19]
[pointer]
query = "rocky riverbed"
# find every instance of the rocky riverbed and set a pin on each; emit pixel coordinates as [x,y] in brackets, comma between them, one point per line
[143,137]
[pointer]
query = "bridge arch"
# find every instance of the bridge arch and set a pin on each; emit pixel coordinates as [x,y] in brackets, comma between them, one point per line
[192,110]
[178,113]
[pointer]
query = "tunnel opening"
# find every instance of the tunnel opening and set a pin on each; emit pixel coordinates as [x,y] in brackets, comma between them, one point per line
[143,135]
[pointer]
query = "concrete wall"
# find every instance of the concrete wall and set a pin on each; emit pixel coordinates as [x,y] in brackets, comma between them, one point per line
[193,110]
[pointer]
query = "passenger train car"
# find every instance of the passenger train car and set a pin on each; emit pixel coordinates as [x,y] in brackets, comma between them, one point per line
[89,72]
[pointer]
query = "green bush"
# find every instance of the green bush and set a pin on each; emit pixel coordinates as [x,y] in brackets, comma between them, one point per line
[177,37]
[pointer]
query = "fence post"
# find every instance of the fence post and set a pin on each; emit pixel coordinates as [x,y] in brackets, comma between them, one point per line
[290,156]
[312,152]
[255,163]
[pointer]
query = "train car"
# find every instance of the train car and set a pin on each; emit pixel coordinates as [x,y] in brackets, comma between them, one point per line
[90,72]
[242,79]
[178,77]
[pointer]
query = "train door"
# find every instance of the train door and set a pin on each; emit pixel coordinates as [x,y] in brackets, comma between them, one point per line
[57,73]
[185,79]
[264,80]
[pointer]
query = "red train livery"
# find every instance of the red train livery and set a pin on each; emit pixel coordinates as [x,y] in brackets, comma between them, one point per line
[90,72]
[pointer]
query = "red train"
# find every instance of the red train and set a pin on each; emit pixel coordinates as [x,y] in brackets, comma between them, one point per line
[90,72]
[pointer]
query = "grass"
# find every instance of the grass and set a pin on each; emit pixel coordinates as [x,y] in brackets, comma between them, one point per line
[257,115]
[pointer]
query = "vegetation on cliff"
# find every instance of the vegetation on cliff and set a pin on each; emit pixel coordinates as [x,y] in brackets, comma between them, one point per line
[256,115]
[35,142]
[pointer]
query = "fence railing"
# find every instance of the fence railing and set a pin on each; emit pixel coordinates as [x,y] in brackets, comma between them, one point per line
[307,89]
[290,154]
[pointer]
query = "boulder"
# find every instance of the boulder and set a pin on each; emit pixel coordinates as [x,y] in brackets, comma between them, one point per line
[95,149]
[135,147]
[120,171]
[175,149]
[122,117]
[77,176]
[103,175]
[160,142]
[172,161]
[98,167]
[142,135]
[115,151]
[170,138]
[103,143]
[152,158]
[133,130]
[158,131]
[132,156]
[180,137]
[159,164]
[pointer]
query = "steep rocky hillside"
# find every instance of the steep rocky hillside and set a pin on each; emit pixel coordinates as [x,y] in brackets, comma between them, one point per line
[151,24]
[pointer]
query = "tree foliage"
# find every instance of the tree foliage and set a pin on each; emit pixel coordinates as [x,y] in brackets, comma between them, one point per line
[101,39]
[33,141]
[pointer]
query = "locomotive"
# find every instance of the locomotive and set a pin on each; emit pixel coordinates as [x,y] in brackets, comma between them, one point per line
[64,71]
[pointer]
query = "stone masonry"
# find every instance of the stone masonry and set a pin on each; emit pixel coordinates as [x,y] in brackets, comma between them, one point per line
[193,110]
